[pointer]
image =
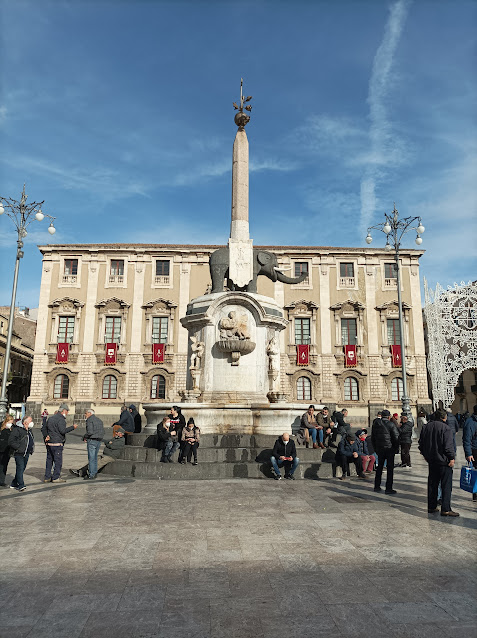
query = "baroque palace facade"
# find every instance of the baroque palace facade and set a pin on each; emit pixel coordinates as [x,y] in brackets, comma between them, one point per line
[134,296]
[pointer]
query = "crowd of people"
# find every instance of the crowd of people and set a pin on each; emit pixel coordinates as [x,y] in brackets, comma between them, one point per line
[373,453]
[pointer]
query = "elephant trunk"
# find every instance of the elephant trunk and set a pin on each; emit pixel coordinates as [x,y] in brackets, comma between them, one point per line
[291,280]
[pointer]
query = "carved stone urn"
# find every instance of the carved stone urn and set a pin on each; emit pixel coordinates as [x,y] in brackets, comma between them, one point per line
[236,348]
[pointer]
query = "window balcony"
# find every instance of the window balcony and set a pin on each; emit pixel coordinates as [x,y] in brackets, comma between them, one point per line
[162,280]
[116,279]
[390,283]
[347,282]
[303,284]
[70,280]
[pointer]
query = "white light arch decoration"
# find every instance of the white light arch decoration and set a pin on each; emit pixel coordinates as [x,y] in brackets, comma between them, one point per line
[451,317]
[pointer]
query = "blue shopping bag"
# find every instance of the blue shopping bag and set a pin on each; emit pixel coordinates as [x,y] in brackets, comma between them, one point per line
[468,479]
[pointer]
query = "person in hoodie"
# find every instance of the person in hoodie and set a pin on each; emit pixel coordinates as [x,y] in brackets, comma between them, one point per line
[22,444]
[178,423]
[348,452]
[55,438]
[284,454]
[136,418]
[94,438]
[191,440]
[4,447]
[125,421]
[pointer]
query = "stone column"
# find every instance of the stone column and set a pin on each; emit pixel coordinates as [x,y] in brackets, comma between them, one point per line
[86,357]
[327,356]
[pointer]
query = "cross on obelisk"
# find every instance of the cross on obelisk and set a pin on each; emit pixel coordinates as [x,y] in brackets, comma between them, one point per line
[240,244]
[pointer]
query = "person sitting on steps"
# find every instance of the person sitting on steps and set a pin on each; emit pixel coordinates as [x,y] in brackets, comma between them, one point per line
[284,453]
[308,422]
[367,458]
[348,452]
[112,450]
[164,440]
[191,439]
[325,422]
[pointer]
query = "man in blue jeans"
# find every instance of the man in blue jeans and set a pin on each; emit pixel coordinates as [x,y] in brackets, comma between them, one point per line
[22,444]
[94,438]
[55,437]
[284,454]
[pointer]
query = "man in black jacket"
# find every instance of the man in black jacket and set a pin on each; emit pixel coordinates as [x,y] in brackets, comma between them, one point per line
[436,444]
[385,441]
[125,422]
[342,427]
[112,450]
[56,432]
[94,438]
[136,418]
[405,440]
[22,444]
[347,453]
[284,453]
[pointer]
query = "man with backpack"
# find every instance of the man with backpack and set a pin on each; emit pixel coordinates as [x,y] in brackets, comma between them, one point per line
[469,440]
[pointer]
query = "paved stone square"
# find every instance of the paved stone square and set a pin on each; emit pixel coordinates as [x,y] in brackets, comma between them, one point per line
[125,558]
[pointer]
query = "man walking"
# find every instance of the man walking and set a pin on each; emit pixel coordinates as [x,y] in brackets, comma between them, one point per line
[22,443]
[284,453]
[56,432]
[385,440]
[405,440]
[436,445]
[93,437]
[469,440]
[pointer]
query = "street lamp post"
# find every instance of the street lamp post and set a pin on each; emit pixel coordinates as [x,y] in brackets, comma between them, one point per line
[22,215]
[395,229]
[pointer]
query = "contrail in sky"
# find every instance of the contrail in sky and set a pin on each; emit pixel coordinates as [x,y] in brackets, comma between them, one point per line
[380,130]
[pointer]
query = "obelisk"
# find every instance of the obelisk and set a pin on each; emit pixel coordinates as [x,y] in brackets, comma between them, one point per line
[240,244]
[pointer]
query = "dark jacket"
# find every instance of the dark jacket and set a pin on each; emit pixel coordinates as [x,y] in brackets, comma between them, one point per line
[345,448]
[280,449]
[4,436]
[405,433]
[343,428]
[94,428]
[163,435]
[178,423]
[113,448]
[126,421]
[436,443]
[384,436]
[136,418]
[324,421]
[362,447]
[20,440]
[452,421]
[56,428]
[469,435]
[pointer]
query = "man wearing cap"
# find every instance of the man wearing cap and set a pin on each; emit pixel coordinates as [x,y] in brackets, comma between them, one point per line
[348,453]
[56,432]
[385,440]
[367,459]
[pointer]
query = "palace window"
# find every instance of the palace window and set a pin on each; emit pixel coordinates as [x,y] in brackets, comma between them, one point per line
[390,275]
[394,336]
[303,389]
[116,273]
[349,335]
[158,387]
[302,331]
[351,389]
[302,267]
[61,387]
[159,329]
[70,273]
[347,275]
[66,329]
[110,387]
[162,272]
[396,389]
[112,333]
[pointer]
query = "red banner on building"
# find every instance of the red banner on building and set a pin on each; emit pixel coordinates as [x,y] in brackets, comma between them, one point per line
[110,354]
[62,352]
[303,354]
[158,352]
[350,356]
[396,356]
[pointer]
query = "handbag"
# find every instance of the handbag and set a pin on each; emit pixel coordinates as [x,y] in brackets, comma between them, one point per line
[468,479]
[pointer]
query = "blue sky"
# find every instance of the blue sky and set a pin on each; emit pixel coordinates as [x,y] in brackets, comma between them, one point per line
[119,115]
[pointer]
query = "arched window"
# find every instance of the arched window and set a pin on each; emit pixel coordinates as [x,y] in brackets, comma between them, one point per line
[62,386]
[351,389]
[110,387]
[158,387]
[303,389]
[396,389]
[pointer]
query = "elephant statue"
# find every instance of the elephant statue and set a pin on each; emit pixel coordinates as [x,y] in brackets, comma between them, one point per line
[264,263]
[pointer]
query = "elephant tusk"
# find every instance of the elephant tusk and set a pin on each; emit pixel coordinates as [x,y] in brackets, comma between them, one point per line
[281,268]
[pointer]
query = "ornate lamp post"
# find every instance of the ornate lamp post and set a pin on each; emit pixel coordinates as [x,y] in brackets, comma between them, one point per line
[22,215]
[395,229]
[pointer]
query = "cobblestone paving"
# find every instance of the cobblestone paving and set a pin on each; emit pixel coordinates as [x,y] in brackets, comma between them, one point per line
[240,558]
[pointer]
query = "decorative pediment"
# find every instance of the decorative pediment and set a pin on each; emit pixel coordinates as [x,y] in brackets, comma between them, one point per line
[392,306]
[66,304]
[159,304]
[350,305]
[113,303]
[303,305]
